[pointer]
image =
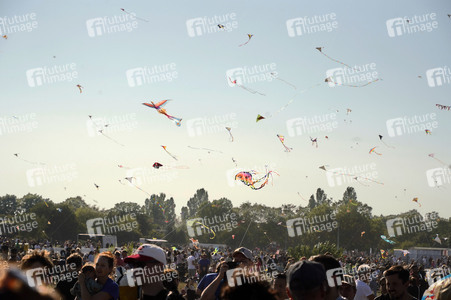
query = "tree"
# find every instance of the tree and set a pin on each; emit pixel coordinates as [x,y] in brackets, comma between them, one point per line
[8,205]
[200,197]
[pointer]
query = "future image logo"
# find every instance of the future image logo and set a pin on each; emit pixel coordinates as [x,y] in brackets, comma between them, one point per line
[413,124]
[110,25]
[411,25]
[311,125]
[298,226]
[357,75]
[438,76]
[311,24]
[54,74]
[438,176]
[211,125]
[149,75]
[407,225]
[207,25]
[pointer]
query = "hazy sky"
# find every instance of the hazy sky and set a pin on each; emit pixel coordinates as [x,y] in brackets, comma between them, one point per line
[168,53]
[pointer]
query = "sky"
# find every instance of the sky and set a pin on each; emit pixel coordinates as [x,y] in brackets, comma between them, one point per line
[402,48]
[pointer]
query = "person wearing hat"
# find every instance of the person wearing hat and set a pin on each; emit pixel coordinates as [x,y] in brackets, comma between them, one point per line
[210,286]
[348,288]
[153,258]
[306,280]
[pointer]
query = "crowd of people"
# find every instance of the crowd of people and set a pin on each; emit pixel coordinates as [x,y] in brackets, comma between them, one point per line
[153,272]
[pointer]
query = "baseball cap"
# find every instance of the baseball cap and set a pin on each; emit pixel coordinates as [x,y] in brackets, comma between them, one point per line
[246,252]
[147,252]
[305,275]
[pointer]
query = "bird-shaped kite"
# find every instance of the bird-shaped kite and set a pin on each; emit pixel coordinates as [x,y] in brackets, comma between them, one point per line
[249,36]
[80,88]
[159,107]
[372,150]
[259,118]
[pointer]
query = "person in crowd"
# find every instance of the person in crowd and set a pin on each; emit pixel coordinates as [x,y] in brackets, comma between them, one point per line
[397,279]
[90,279]
[209,287]
[203,266]
[171,283]
[73,264]
[104,267]
[384,294]
[329,263]
[348,288]
[152,259]
[306,280]
[191,265]
[364,291]
[280,286]
[36,259]
[417,284]
[249,290]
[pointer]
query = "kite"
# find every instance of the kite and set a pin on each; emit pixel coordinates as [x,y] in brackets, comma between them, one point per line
[314,141]
[437,239]
[216,251]
[206,149]
[80,88]
[236,165]
[247,178]
[203,225]
[326,137]
[387,240]
[352,175]
[124,167]
[101,132]
[221,26]
[97,187]
[164,147]
[362,234]
[416,200]
[348,111]
[380,138]
[442,107]
[274,75]
[330,79]
[245,88]
[292,99]
[130,179]
[432,155]
[259,118]
[301,197]
[282,140]
[195,243]
[249,36]
[428,131]
[161,110]
[384,254]
[134,15]
[374,151]
[233,236]
[27,161]
[357,179]
[320,49]
[231,136]
[5,37]
[157,165]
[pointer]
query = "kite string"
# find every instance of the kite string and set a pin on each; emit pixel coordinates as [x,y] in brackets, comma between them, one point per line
[245,234]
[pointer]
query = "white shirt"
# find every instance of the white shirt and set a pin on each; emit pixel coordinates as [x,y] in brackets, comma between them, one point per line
[363,290]
[191,260]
